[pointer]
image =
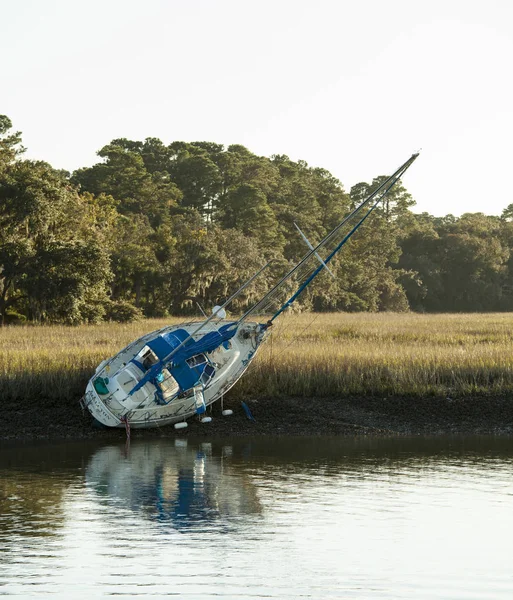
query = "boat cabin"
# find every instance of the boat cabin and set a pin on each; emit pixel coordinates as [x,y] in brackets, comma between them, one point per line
[174,377]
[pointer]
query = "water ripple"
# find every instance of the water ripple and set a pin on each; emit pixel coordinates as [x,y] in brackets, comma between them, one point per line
[260,519]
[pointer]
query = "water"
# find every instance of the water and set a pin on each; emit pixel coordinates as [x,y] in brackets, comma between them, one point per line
[287,518]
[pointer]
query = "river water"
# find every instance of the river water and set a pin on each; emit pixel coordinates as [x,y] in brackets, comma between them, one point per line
[265,518]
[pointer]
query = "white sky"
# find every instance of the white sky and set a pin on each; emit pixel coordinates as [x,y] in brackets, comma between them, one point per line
[353,86]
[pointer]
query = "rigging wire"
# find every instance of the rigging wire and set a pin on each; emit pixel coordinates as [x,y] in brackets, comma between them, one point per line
[303,270]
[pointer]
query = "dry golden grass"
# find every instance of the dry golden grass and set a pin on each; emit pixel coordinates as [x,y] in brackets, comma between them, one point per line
[307,355]
[383,354]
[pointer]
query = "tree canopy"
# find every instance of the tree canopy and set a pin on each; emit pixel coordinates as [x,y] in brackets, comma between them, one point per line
[154,229]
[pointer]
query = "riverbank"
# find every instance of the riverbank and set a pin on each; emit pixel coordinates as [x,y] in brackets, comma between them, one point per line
[319,374]
[355,416]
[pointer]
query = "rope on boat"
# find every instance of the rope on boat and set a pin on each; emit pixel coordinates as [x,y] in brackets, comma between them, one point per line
[127,426]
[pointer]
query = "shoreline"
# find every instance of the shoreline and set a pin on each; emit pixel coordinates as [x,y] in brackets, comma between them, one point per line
[343,416]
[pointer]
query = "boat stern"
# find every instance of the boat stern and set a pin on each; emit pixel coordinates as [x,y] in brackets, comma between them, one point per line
[98,409]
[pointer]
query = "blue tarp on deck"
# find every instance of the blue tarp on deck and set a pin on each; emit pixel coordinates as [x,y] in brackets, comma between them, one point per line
[164,344]
[185,375]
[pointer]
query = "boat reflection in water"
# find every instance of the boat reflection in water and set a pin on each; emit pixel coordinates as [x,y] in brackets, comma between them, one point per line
[190,485]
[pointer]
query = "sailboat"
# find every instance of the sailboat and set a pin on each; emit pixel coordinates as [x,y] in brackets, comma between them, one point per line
[169,375]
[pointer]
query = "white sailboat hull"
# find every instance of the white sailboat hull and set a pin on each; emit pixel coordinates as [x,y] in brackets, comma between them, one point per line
[108,395]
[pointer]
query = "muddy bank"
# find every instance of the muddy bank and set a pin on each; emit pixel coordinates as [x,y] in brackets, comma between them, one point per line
[47,419]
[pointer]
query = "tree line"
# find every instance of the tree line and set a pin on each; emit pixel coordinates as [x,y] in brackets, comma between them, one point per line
[154,229]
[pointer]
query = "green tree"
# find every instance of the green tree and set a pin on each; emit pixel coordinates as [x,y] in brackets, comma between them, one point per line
[198,178]
[134,263]
[10,143]
[65,282]
[47,272]
[246,209]
[124,176]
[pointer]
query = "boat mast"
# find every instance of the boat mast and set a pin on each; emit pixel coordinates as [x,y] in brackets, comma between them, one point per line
[380,191]
[216,312]
[157,367]
[332,254]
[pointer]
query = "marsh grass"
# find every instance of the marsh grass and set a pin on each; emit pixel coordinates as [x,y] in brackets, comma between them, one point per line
[386,354]
[307,355]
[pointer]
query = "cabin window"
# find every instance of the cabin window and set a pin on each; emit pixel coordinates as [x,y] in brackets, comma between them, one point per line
[208,373]
[149,359]
[194,361]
